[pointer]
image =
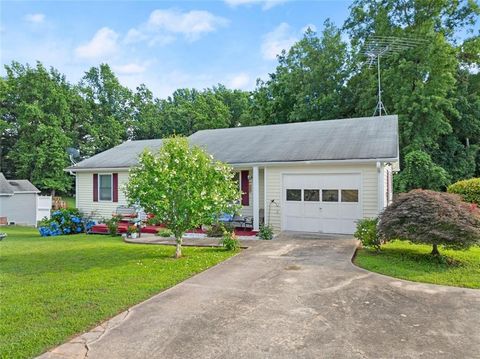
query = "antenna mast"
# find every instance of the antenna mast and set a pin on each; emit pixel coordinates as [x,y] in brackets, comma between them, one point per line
[377,47]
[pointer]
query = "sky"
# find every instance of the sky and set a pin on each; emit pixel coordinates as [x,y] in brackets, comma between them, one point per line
[166,45]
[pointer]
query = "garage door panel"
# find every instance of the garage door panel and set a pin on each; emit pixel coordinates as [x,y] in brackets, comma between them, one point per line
[312,215]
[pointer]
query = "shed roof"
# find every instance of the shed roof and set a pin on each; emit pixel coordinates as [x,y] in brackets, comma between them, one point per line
[10,187]
[346,139]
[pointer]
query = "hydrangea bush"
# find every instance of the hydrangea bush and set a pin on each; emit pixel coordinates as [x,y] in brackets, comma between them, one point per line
[64,221]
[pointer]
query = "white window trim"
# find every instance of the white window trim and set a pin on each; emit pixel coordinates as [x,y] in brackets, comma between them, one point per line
[111,187]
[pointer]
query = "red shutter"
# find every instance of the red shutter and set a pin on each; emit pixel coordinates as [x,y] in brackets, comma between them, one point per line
[95,187]
[245,194]
[115,187]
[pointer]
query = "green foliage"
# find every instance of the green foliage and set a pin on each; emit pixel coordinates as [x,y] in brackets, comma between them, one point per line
[468,189]
[182,186]
[367,233]
[218,229]
[309,82]
[265,232]
[112,224]
[428,217]
[230,241]
[55,288]
[64,221]
[165,232]
[36,116]
[421,172]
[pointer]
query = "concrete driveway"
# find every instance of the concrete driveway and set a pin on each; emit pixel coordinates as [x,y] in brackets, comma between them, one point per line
[291,298]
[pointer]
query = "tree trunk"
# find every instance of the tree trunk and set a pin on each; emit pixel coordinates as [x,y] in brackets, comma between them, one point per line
[178,250]
[435,251]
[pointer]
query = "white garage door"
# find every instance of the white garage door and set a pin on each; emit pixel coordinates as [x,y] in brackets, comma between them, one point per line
[328,203]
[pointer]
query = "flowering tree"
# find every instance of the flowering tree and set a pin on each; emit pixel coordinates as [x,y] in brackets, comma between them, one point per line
[183,186]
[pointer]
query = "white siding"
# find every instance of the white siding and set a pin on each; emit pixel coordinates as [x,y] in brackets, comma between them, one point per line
[369,190]
[100,209]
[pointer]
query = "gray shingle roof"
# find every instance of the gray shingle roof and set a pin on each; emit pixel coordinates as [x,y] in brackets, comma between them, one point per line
[346,139]
[121,156]
[9,187]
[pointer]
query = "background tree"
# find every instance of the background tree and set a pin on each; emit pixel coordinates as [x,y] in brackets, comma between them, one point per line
[36,111]
[422,84]
[147,115]
[308,83]
[182,186]
[109,108]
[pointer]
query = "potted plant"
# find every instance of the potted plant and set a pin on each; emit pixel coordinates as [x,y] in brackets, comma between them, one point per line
[132,231]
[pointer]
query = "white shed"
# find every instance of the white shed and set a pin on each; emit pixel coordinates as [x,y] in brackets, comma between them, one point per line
[19,201]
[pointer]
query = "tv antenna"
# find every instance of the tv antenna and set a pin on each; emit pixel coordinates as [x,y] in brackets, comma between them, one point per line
[377,47]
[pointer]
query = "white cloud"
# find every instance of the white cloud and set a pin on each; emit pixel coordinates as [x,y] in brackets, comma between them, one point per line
[281,38]
[130,69]
[266,4]
[35,18]
[102,45]
[163,25]
[239,81]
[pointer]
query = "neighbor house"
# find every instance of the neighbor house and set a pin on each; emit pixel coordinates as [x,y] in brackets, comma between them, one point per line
[317,176]
[20,202]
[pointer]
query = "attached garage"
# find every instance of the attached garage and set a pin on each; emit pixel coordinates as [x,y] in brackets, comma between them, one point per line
[329,203]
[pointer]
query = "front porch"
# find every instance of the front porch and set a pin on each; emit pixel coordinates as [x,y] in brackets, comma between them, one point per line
[252,183]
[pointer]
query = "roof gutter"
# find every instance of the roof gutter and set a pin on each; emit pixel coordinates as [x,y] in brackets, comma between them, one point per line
[281,163]
[250,164]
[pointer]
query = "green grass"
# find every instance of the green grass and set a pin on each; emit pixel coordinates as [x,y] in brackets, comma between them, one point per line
[413,262]
[70,201]
[53,288]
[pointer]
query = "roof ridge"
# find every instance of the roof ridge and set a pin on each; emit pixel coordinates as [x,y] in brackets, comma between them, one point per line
[298,123]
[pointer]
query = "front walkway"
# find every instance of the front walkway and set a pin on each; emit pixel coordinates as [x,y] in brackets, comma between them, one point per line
[291,298]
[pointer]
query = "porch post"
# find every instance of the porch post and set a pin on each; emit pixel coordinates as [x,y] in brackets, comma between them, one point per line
[256,199]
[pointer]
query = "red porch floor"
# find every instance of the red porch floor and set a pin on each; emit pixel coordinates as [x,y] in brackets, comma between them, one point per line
[122,228]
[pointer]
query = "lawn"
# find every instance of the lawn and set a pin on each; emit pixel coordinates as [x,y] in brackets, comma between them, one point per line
[52,288]
[413,262]
[70,201]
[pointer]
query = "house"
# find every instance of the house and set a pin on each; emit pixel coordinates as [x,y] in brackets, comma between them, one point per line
[317,176]
[20,202]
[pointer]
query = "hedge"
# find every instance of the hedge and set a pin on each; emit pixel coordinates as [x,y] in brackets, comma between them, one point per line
[468,189]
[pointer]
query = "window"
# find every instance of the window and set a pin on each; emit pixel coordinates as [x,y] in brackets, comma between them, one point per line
[311,195]
[105,187]
[349,195]
[330,195]
[294,194]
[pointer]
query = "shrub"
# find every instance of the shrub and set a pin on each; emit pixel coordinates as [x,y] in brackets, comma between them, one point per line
[165,233]
[420,171]
[468,189]
[218,229]
[367,233]
[230,242]
[64,221]
[428,217]
[265,232]
[112,225]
